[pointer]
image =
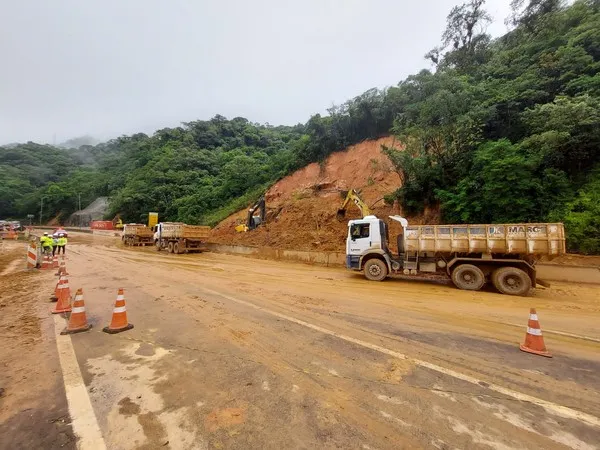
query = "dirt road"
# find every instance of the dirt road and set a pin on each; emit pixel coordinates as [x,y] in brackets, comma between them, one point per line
[232,352]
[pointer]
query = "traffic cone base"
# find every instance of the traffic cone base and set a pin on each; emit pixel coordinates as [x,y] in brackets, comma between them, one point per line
[76,330]
[535,352]
[108,330]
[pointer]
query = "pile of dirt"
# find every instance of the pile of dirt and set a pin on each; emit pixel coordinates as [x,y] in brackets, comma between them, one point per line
[301,208]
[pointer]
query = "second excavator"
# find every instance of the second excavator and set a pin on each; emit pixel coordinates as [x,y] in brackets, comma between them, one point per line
[353,196]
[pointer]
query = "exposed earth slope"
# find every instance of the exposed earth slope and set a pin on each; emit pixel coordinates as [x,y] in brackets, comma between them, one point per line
[301,208]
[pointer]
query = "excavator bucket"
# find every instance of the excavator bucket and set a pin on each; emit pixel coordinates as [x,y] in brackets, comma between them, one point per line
[341,214]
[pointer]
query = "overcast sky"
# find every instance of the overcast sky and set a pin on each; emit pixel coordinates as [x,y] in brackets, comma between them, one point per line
[112,67]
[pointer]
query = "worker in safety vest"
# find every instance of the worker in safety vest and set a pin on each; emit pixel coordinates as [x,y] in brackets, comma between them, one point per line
[54,243]
[46,242]
[62,243]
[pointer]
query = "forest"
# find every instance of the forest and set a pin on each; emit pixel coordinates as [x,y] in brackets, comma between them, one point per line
[495,130]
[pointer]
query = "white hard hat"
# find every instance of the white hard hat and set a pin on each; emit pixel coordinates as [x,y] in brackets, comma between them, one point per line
[46,234]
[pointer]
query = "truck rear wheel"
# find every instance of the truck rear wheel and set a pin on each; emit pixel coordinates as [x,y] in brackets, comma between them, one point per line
[468,277]
[176,248]
[375,270]
[511,281]
[170,247]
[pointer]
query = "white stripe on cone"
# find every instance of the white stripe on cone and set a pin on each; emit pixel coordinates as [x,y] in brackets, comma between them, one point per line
[78,309]
[120,297]
[119,309]
[78,298]
[534,331]
[533,317]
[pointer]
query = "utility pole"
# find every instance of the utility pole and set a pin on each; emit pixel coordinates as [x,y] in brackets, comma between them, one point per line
[41,209]
[79,195]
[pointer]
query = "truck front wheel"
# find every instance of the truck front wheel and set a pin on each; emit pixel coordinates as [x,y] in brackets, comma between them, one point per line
[511,281]
[468,277]
[375,270]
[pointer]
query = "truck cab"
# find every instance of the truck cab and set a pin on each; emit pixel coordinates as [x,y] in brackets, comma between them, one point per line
[367,248]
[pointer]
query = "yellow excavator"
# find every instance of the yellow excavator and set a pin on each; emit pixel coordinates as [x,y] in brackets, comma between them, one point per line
[117,222]
[253,221]
[353,196]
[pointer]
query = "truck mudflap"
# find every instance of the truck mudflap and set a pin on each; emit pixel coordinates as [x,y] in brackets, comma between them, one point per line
[353,262]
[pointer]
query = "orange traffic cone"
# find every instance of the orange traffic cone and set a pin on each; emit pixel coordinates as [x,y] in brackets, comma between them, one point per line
[63,295]
[62,269]
[534,342]
[54,297]
[78,320]
[45,262]
[119,318]
[55,262]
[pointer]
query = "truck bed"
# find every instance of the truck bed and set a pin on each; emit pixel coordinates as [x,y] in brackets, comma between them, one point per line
[183,231]
[135,229]
[516,238]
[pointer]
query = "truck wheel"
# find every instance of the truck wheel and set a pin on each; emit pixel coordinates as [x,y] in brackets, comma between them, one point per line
[511,281]
[468,277]
[170,247]
[176,248]
[375,270]
[157,245]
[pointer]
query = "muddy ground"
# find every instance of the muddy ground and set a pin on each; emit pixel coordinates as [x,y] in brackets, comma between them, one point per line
[33,408]
[233,352]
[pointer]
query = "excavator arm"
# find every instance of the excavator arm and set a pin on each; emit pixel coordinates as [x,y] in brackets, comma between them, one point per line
[353,196]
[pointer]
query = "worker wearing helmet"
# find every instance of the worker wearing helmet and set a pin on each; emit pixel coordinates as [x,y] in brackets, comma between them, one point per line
[62,243]
[46,242]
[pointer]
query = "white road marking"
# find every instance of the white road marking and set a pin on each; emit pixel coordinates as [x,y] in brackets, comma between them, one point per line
[559,410]
[83,420]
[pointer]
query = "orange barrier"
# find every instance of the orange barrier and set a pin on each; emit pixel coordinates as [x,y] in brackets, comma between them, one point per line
[78,320]
[119,318]
[63,295]
[32,256]
[534,341]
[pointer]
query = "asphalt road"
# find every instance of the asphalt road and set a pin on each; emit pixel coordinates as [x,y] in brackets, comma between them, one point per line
[236,353]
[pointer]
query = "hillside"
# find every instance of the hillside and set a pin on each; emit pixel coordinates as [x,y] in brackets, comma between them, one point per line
[301,208]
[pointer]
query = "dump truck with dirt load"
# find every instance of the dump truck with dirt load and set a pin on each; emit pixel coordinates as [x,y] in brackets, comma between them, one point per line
[470,255]
[137,234]
[177,237]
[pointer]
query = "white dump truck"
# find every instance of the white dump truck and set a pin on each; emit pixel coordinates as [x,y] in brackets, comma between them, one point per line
[137,234]
[177,237]
[470,255]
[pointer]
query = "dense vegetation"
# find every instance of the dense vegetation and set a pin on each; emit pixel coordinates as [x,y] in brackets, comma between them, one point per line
[502,130]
